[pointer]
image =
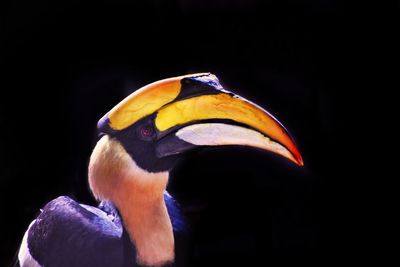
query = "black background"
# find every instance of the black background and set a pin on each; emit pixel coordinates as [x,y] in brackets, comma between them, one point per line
[66,63]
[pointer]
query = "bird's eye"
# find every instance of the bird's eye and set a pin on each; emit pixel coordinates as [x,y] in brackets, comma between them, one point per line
[146,131]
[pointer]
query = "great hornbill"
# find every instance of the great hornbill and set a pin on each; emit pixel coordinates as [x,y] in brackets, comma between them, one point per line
[143,136]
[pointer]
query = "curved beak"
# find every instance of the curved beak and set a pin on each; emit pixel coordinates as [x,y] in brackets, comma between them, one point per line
[195,110]
[226,119]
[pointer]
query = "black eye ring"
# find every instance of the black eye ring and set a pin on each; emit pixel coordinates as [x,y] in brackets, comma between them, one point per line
[146,131]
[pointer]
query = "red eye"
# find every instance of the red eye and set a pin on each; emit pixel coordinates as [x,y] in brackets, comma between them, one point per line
[146,131]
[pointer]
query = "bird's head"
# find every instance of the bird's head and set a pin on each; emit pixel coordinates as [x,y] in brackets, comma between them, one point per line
[150,129]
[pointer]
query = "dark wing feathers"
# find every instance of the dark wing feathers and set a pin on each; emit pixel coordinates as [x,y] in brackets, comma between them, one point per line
[68,234]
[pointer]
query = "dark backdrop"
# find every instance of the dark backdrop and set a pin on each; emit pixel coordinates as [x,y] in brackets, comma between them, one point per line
[66,63]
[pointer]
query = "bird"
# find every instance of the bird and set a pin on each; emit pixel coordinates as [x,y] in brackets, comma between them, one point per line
[137,222]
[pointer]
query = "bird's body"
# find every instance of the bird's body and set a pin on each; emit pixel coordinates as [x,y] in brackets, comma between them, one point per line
[67,233]
[136,223]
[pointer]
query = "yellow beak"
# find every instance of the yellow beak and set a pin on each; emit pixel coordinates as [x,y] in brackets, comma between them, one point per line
[202,113]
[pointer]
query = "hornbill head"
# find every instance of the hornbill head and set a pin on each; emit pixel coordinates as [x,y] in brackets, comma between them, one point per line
[160,121]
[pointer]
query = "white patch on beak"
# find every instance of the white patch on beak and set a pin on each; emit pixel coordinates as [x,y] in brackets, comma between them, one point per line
[219,134]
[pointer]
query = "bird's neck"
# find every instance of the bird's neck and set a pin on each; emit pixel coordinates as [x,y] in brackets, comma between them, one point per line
[146,219]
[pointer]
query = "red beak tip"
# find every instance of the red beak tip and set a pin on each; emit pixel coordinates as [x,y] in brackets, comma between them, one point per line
[300,161]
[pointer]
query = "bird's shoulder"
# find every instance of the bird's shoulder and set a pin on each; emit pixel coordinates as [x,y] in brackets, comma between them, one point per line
[64,228]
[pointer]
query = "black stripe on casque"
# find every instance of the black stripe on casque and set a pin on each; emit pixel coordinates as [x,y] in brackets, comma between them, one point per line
[207,84]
